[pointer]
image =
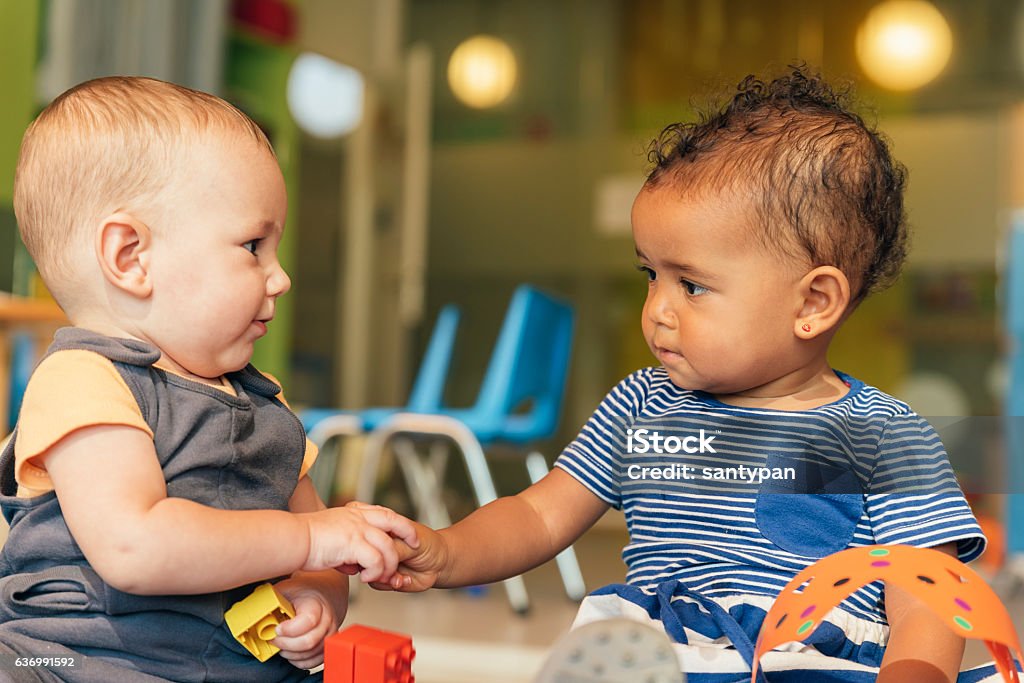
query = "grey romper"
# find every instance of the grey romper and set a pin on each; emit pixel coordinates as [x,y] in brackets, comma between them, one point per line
[230,452]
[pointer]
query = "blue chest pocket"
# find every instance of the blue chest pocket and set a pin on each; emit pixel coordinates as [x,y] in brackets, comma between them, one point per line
[812,516]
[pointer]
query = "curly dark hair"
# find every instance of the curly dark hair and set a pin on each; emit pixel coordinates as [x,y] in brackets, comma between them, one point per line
[822,182]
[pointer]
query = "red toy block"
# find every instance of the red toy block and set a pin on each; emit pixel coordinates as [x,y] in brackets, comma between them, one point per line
[360,654]
[385,658]
[340,653]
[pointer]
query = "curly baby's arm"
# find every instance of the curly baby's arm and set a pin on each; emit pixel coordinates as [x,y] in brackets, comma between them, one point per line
[505,537]
[921,648]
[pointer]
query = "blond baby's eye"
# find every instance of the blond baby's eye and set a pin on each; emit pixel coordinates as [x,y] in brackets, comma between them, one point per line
[251,245]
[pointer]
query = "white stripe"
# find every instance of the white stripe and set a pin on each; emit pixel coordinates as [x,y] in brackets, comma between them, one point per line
[714,540]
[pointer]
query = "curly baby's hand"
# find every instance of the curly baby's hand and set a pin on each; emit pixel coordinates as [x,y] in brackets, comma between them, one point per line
[419,568]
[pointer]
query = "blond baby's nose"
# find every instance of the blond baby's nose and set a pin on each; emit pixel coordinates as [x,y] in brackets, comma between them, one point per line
[278,283]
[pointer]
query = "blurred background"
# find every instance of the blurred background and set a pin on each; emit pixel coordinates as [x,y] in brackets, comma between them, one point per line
[445,151]
[406,196]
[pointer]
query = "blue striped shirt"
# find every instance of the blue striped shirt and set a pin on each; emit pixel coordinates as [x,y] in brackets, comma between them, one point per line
[745,504]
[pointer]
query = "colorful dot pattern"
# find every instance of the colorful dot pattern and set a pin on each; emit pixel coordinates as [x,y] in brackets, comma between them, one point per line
[960,592]
[963,623]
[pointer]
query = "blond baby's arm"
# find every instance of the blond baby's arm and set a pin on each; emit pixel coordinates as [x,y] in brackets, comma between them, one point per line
[330,583]
[113,496]
[921,648]
[506,537]
[335,584]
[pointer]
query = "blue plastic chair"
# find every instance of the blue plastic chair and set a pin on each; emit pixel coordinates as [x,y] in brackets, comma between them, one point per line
[324,424]
[22,362]
[1014,412]
[1015,320]
[519,404]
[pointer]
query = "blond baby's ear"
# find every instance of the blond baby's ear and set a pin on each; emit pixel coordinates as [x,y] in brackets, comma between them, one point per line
[825,295]
[122,249]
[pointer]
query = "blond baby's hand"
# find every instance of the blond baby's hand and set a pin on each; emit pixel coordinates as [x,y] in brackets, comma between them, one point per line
[301,638]
[358,537]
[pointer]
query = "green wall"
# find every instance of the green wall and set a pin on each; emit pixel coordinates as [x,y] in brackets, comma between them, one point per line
[19,31]
[257,73]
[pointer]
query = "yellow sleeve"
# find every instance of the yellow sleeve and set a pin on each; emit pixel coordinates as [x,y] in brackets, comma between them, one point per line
[309,457]
[69,390]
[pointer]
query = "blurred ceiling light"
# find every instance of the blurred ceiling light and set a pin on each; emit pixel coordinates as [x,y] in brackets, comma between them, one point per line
[904,44]
[324,97]
[482,71]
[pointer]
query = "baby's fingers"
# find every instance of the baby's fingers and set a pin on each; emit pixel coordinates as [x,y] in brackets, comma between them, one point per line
[390,522]
[301,640]
[397,583]
[365,558]
[385,546]
[297,626]
[405,551]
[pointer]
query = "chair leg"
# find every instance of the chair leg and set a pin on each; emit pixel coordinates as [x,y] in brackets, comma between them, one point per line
[483,487]
[424,486]
[568,565]
[439,452]
[366,486]
[324,470]
[433,474]
[476,465]
[373,451]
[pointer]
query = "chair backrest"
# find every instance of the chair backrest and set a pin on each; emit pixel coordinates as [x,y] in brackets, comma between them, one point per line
[529,365]
[22,362]
[1015,318]
[428,387]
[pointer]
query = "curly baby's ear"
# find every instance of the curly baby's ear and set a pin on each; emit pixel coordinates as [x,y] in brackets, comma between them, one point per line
[825,294]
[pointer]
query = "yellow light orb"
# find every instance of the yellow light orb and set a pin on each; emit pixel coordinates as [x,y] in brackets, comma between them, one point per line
[482,71]
[904,44]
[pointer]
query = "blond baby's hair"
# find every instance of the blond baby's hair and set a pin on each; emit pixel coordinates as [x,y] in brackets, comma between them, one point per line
[106,145]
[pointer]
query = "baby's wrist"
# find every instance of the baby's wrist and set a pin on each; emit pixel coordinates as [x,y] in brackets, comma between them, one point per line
[445,565]
[310,563]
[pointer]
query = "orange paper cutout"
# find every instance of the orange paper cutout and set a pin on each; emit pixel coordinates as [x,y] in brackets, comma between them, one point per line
[947,586]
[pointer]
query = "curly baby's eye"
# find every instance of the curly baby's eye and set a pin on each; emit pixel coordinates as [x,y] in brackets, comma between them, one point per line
[651,275]
[694,289]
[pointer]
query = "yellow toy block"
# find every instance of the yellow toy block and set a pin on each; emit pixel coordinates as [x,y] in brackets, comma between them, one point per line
[253,621]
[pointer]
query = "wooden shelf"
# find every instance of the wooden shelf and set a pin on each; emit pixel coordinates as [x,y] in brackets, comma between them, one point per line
[16,309]
[39,316]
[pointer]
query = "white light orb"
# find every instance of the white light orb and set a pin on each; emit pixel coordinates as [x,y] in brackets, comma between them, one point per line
[482,71]
[904,44]
[325,98]
[935,395]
